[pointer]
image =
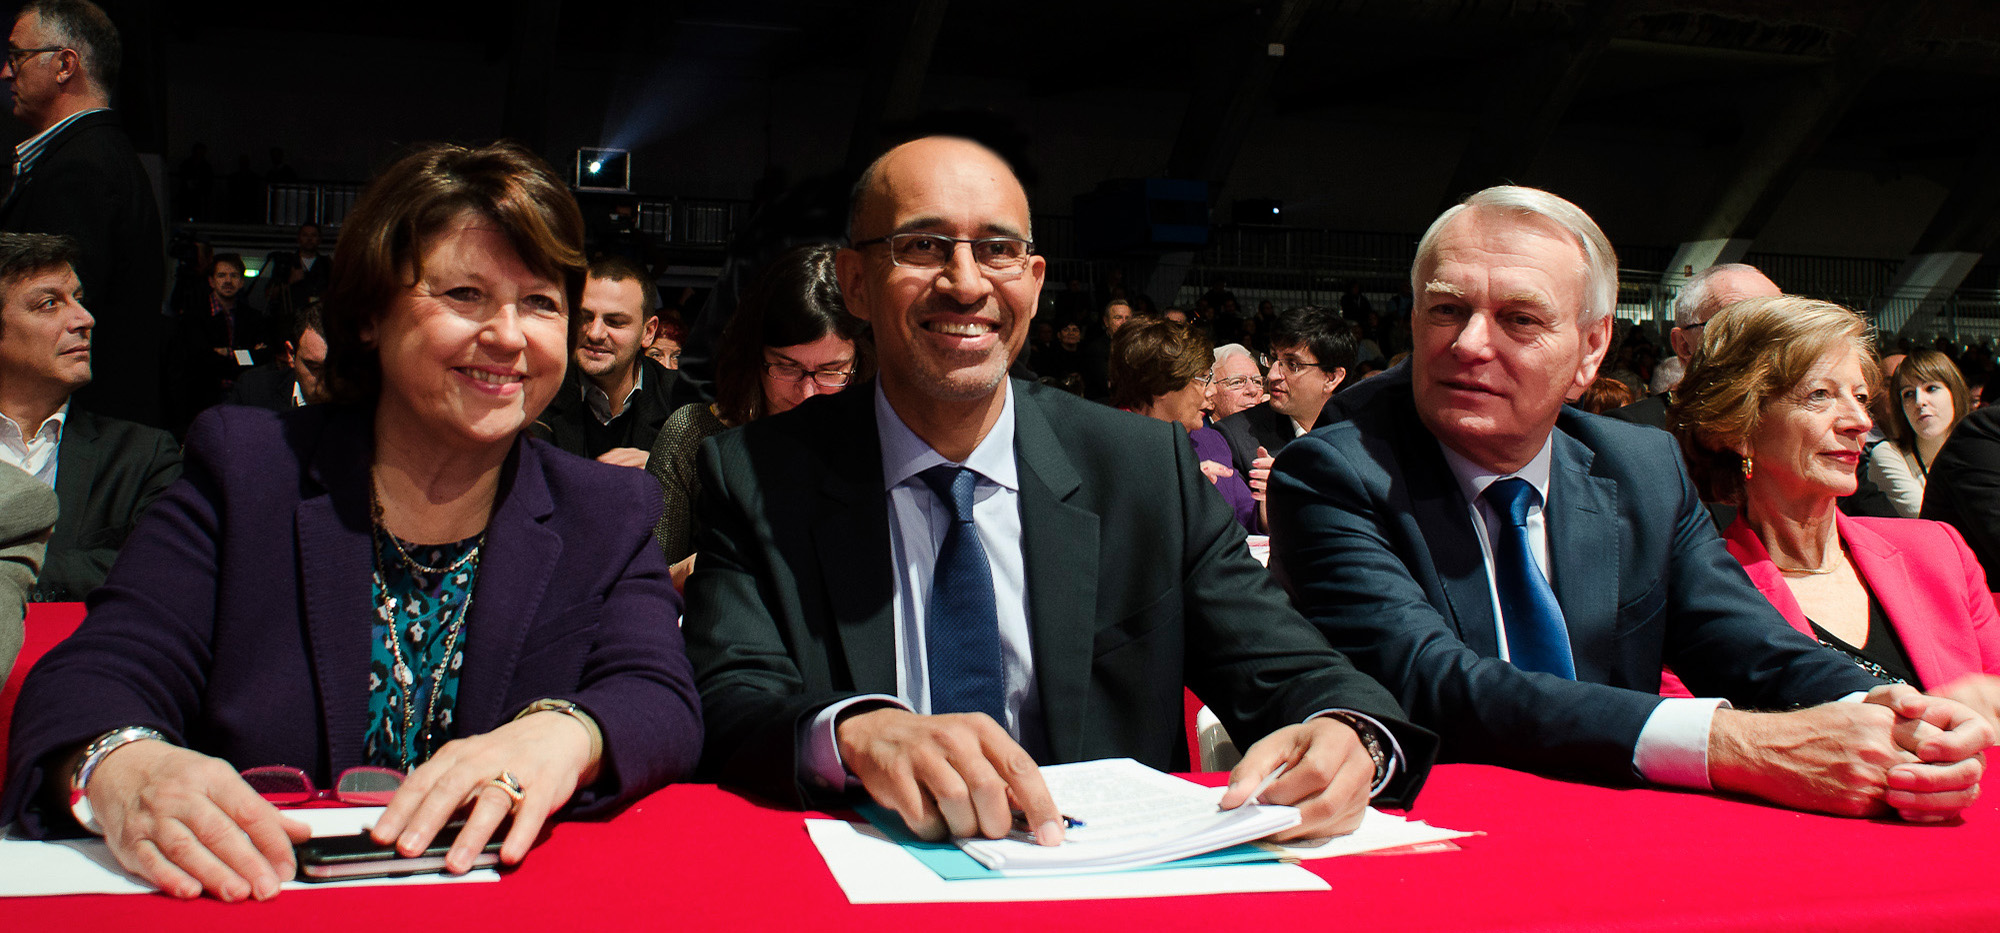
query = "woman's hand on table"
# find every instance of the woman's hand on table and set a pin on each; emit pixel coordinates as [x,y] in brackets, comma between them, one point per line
[548,753]
[187,823]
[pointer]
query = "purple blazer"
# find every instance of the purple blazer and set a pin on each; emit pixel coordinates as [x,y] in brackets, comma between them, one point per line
[236,620]
[1209,444]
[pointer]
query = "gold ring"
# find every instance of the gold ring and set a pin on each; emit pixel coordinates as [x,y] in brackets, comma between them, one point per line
[511,785]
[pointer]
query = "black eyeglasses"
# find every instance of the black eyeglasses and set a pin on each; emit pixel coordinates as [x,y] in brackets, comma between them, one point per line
[1000,256]
[16,56]
[826,378]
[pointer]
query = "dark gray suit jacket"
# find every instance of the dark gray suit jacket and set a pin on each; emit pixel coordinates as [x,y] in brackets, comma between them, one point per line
[107,472]
[1139,582]
[1372,533]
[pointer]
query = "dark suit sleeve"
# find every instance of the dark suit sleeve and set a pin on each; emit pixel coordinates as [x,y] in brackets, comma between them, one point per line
[1256,663]
[755,698]
[1964,489]
[69,200]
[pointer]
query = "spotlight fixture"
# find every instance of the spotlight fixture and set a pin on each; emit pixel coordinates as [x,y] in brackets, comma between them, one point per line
[603,170]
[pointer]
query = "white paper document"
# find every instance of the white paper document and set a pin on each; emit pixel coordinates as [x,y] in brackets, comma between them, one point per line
[1128,816]
[1378,831]
[86,866]
[871,869]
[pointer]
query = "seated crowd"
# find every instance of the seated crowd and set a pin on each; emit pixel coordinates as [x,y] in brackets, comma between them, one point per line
[891,554]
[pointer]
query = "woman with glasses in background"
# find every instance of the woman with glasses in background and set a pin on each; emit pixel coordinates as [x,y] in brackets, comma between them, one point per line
[1161,369]
[396,583]
[791,339]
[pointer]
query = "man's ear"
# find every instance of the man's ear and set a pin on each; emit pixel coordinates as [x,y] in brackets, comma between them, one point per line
[850,267]
[1335,377]
[1596,342]
[651,333]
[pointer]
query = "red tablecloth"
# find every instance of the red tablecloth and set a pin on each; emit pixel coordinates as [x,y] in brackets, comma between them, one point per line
[1557,856]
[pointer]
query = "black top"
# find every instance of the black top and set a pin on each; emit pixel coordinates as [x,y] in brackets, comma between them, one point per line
[1883,656]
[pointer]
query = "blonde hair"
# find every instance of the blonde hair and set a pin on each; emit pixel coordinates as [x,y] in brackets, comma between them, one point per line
[1752,352]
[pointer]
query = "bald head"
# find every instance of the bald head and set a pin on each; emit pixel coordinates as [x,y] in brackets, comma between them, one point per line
[1705,295]
[925,160]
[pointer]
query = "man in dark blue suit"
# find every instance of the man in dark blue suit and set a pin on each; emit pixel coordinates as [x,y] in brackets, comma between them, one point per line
[1516,572]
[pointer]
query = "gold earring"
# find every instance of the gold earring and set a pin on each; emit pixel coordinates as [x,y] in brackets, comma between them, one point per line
[1749,467]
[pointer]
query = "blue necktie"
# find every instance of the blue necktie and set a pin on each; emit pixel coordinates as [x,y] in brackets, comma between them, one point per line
[961,624]
[1537,640]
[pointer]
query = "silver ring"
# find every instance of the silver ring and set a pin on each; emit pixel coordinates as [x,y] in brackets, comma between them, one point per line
[510,785]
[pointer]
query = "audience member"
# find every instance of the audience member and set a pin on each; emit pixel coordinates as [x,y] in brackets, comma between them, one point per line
[105,471]
[1772,420]
[297,377]
[292,277]
[1927,399]
[260,615]
[1064,363]
[1965,489]
[665,341]
[1097,350]
[830,651]
[615,398]
[27,512]
[1239,384]
[1701,298]
[791,339]
[1311,352]
[1605,393]
[1163,369]
[1666,376]
[77,176]
[1514,572]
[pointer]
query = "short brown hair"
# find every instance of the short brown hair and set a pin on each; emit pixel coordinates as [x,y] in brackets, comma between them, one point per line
[1604,394]
[1751,353]
[24,254]
[1918,368]
[1152,357]
[620,269]
[382,242]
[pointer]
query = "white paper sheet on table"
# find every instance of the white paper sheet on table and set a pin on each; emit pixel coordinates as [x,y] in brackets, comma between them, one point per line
[1378,831]
[873,870]
[85,866]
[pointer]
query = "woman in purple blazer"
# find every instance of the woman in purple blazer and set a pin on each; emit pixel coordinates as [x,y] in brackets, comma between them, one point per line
[1162,369]
[398,580]
[1771,415]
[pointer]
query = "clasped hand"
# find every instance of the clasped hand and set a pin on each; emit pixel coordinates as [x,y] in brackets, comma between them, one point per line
[187,823]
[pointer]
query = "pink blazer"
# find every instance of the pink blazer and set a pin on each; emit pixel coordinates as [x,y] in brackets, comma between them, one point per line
[1930,586]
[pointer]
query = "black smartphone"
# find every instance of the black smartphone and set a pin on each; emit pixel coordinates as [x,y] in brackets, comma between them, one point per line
[343,858]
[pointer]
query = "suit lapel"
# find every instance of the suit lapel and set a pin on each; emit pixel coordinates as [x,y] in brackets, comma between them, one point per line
[336,563]
[1885,569]
[1445,519]
[850,535]
[518,558]
[1581,519]
[1060,553]
[77,460]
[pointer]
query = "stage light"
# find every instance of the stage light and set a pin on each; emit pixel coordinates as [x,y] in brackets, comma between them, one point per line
[603,170]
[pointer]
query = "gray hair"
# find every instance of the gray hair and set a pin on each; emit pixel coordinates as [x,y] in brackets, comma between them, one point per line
[1600,261]
[84,27]
[1689,301]
[1228,350]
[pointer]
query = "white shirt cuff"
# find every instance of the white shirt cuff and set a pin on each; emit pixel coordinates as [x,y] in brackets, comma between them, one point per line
[1390,745]
[1673,745]
[819,752]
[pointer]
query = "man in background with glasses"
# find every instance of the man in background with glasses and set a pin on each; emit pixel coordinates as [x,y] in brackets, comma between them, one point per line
[926,587]
[1239,383]
[77,175]
[1311,351]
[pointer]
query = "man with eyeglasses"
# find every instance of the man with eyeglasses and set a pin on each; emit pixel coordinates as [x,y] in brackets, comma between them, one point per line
[1702,297]
[615,398]
[924,587]
[76,175]
[1311,352]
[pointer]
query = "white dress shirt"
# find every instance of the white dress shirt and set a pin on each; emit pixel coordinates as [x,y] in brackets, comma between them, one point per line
[1673,744]
[35,455]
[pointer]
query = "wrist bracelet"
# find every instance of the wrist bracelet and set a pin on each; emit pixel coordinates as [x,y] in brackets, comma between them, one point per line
[570,709]
[1371,741]
[94,755]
